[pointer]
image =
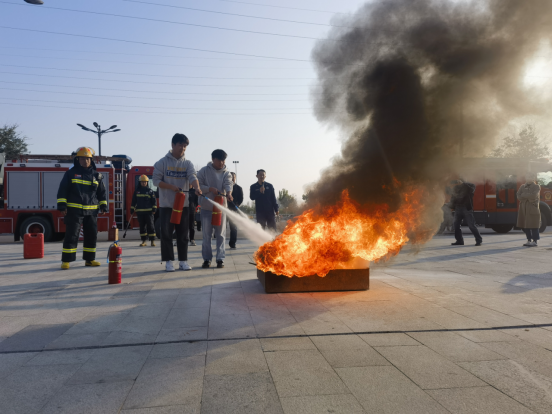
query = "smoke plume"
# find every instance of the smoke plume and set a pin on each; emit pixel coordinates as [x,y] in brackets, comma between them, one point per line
[411,82]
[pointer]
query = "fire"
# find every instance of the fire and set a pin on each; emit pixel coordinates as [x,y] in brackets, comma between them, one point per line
[318,243]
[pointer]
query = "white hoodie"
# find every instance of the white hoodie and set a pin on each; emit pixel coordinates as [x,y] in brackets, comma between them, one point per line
[179,172]
[221,179]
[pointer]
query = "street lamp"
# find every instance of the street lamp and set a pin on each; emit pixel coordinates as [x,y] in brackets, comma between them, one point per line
[236,167]
[99,130]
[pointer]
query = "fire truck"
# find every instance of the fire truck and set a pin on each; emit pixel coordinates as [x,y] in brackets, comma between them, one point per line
[28,197]
[497,180]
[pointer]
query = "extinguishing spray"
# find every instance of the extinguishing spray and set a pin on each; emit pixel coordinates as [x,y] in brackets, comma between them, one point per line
[216,220]
[178,206]
[115,260]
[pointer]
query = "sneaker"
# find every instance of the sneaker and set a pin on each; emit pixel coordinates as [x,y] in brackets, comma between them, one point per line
[143,244]
[457,243]
[169,266]
[232,246]
[65,265]
[184,266]
[528,244]
[206,264]
[152,243]
[93,263]
[534,244]
[478,243]
[192,243]
[220,264]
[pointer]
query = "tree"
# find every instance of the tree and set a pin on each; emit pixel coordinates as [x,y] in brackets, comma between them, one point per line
[247,208]
[12,142]
[287,201]
[528,144]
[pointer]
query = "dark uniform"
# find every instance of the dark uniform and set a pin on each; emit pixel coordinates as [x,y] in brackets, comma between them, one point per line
[81,192]
[265,204]
[237,195]
[192,211]
[144,204]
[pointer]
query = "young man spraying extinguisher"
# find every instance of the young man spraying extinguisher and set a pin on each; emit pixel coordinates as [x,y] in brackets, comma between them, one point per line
[81,194]
[172,174]
[144,204]
[214,179]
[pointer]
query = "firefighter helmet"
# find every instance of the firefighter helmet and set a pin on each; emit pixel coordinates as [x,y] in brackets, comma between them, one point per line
[85,152]
[144,177]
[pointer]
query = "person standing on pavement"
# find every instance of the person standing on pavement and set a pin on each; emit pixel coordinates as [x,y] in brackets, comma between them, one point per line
[237,194]
[144,204]
[266,206]
[461,201]
[191,217]
[214,179]
[80,195]
[172,174]
[529,211]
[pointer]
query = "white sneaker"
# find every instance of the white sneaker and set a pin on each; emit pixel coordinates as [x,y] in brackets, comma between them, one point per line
[528,244]
[169,267]
[533,244]
[184,266]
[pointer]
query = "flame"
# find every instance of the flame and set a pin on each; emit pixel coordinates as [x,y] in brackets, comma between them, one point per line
[318,243]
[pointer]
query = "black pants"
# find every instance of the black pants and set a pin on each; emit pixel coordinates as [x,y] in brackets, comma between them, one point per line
[267,220]
[532,234]
[167,249]
[191,223]
[146,226]
[233,233]
[71,240]
[467,215]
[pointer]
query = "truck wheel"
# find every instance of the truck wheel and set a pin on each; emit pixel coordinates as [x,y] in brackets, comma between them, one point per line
[544,223]
[502,228]
[37,225]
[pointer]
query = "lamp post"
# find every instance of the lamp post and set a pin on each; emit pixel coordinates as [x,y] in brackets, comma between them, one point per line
[100,132]
[236,167]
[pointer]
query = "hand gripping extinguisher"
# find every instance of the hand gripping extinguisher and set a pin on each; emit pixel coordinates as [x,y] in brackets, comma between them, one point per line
[115,260]
[216,220]
[178,206]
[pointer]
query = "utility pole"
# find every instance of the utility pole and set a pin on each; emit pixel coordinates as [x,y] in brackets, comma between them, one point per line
[236,168]
[99,132]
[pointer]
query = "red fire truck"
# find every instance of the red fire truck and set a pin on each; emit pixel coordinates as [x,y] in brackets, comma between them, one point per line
[28,197]
[497,182]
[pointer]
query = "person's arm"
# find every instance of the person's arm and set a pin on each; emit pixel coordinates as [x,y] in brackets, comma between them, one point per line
[133,202]
[101,194]
[275,205]
[192,179]
[228,186]
[202,181]
[153,201]
[63,192]
[238,195]
[253,194]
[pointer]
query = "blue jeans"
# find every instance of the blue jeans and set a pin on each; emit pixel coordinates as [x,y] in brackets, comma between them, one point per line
[207,231]
[467,215]
[532,234]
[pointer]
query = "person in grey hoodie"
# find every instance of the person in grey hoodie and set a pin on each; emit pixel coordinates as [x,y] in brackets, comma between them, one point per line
[171,174]
[214,179]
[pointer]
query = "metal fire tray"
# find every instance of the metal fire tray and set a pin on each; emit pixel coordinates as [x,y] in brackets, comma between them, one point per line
[335,280]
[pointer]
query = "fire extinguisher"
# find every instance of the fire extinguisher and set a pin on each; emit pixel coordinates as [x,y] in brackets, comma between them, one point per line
[216,220]
[115,260]
[178,206]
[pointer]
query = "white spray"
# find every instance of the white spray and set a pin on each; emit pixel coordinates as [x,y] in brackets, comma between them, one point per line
[253,231]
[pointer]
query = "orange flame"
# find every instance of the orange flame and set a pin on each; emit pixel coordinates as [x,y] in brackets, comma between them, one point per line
[318,243]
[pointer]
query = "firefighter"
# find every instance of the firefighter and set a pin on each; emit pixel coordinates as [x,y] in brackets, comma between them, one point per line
[81,194]
[145,205]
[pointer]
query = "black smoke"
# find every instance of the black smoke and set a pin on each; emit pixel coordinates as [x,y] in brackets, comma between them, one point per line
[411,82]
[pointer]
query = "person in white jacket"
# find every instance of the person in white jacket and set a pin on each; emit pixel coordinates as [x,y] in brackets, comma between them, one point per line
[214,179]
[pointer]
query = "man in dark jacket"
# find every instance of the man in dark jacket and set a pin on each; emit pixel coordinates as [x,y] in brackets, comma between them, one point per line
[144,204]
[461,202]
[81,194]
[192,215]
[266,206]
[237,193]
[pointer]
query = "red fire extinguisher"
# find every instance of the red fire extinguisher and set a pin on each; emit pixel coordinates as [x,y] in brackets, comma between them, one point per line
[217,213]
[178,206]
[115,260]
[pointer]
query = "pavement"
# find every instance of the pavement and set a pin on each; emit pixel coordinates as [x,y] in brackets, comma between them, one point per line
[443,329]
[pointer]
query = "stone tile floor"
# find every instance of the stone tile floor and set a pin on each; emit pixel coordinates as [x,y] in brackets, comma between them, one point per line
[443,330]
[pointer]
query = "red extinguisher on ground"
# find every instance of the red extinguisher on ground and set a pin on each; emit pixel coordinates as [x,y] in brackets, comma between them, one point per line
[178,206]
[217,213]
[115,260]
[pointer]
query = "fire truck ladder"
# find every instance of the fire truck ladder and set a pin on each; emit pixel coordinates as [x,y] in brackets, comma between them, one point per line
[119,196]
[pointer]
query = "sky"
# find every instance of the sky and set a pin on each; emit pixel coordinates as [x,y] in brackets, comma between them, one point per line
[257,109]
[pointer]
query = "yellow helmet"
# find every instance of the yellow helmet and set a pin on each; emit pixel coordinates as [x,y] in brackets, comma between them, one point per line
[144,177]
[85,152]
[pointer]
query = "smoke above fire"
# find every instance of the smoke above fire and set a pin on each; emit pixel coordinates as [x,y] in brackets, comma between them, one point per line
[411,82]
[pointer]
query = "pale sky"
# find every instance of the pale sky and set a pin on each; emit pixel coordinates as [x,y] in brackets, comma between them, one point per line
[258,110]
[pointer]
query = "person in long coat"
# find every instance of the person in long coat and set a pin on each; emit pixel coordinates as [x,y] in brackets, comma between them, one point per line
[529,212]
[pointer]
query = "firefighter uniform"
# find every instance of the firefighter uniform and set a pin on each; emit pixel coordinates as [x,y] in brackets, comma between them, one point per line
[81,193]
[144,204]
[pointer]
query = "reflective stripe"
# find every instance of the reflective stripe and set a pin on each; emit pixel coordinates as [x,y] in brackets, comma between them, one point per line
[76,181]
[62,200]
[74,205]
[144,209]
[143,234]
[177,211]
[151,234]
[89,249]
[103,203]
[69,250]
[143,195]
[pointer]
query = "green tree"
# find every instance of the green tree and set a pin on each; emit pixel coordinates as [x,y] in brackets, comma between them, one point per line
[12,142]
[288,202]
[247,208]
[528,144]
